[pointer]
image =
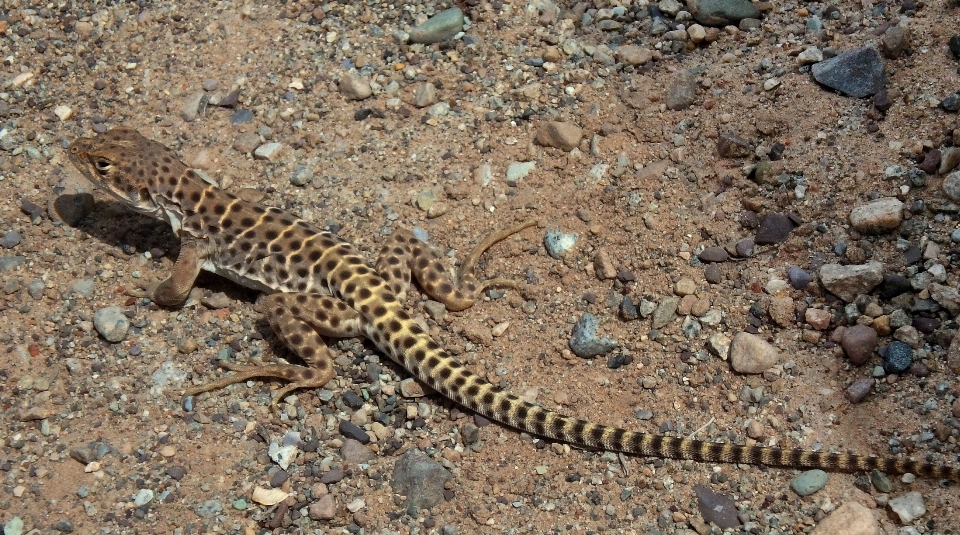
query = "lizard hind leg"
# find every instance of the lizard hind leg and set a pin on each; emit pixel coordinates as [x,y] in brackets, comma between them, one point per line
[300,320]
[404,254]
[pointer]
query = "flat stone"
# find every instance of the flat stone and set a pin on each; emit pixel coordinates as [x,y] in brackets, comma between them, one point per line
[850,518]
[877,216]
[633,55]
[268,151]
[716,508]
[895,40]
[809,482]
[440,27]
[774,228]
[752,354]
[782,311]
[908,507]
[847,282]
[713,254]
[856,73]
[558,134]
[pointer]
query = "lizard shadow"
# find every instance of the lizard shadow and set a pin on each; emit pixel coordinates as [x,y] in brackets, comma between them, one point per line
[114,225]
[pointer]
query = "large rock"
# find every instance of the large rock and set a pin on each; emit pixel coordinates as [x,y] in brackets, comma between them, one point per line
[420,479]
[558,134]
[857,73]
[877,216]
[752,354]
[723,12]
[850,518]
[847,282]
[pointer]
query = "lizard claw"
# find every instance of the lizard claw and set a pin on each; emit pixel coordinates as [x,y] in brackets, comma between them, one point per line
[143,291]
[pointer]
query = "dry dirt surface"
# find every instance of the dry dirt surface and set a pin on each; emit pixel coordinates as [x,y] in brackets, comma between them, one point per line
[696,164]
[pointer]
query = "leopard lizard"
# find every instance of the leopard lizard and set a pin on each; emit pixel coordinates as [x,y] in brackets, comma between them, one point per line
[318,286]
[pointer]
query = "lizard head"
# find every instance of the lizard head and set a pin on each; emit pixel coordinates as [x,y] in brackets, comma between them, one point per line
[125,164]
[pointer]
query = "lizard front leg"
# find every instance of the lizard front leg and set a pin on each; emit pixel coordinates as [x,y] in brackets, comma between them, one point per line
[301,320]
[174,290]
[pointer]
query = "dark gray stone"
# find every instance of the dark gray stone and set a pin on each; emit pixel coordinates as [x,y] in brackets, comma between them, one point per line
[420,479]
[898,357]
[798,278]
[724,12]
[857,73]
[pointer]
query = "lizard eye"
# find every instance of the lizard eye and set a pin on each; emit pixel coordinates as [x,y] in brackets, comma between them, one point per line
[102,166]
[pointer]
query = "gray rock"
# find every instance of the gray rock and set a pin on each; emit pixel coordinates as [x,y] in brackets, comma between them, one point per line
[11,262]
[63,526]
[809,482]
[440,27]
[859,342]
[84,288]
[682,91]
[877,216]
[719,509]
[14,526]
[752,354]
[10,240]
[880,481]
[209,509]
[36,288]
[857,73]
[951,186]
[111,323]
[665,312]
[847,282]
[268,151]
[798,278]
[908,507]
[420,479]
[951,102]
[190,108]
[724,12]
[518,170]
[584,341]
[302,175]
[744,248]
[946,296]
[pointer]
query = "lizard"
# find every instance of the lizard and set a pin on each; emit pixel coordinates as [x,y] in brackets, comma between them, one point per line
[318,286]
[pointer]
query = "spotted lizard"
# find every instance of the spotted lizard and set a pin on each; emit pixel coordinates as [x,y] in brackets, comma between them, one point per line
[318,286]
